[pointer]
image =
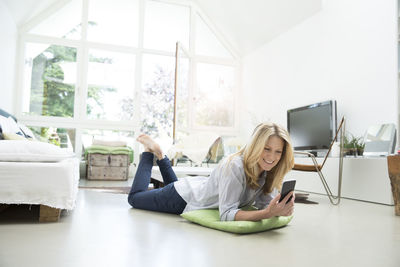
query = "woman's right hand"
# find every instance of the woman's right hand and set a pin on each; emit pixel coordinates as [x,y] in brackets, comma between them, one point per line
[276,208]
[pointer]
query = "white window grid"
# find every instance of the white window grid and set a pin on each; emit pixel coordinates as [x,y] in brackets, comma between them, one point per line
[79,122]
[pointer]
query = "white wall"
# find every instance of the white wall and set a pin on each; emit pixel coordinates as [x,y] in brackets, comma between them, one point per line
[346,52]
[8,44]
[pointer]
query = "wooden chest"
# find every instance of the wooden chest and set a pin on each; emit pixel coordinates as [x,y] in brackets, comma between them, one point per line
[108,167]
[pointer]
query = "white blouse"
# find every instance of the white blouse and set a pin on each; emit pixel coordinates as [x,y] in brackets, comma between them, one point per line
[225,189]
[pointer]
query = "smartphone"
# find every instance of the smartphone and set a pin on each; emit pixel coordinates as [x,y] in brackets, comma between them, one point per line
[287,187]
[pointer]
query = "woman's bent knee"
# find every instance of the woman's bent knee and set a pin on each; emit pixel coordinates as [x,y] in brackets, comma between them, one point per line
[138,200]
[131,200]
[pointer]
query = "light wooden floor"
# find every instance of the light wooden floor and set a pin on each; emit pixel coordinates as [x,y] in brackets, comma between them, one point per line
[104,231]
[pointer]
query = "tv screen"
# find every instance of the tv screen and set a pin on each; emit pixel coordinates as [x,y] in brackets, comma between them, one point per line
[312,127]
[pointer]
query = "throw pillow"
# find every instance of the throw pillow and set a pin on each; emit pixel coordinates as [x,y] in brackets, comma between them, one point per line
[13,136]
[8,125]
[6,114]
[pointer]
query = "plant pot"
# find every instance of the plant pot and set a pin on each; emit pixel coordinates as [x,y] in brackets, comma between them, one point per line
[350,152]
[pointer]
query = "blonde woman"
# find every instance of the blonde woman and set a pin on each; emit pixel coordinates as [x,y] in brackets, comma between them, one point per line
[251,176]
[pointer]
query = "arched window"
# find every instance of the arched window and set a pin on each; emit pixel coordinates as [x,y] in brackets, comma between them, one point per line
[102,67]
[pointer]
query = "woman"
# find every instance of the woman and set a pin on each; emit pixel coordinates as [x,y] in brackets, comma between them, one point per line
[251,176]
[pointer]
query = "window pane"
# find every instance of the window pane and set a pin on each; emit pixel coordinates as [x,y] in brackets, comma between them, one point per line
[111,80]
[65,23]
[182,101]
[62,137]
[157,100]
[164,25]
[50,78]
[215,99]
[207,44]
[115,22]
[88,135]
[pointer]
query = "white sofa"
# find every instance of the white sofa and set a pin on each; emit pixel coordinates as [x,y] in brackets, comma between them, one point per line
[36,173]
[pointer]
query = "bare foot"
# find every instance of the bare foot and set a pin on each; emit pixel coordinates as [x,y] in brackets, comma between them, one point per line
[150,145]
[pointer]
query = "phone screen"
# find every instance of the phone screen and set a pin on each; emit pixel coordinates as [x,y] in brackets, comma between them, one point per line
[287,187]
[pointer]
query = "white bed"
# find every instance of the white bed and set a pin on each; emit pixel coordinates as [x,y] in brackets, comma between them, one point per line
[54,184]
[38,173]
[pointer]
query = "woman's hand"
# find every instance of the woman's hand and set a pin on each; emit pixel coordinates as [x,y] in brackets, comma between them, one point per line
[276,208]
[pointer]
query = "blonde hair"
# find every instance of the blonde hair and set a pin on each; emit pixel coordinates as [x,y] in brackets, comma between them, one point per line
[252,152]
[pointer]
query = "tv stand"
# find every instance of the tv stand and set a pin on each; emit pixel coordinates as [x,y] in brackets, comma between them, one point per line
[364,178]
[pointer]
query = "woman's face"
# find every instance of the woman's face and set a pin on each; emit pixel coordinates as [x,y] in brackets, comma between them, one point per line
[271,154]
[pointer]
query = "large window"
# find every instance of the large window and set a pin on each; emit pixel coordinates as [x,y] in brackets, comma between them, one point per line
[215,95]
[207,44]
[110,85]
[157,95]
[50,79]
[164,25]
[114,22]
[88,135]
[62,22]
[64,138]
[100,68]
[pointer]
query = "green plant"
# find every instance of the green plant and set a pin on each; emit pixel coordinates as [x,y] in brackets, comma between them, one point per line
[360,143]
[353,145]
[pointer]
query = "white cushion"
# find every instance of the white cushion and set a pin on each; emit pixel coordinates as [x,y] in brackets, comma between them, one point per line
[114,143]
[9,125]
[35,151]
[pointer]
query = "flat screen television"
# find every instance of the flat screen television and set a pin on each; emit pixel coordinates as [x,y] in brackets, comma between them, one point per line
[312,127]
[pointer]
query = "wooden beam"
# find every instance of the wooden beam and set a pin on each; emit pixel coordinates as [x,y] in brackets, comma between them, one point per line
[394,175]
[49,214]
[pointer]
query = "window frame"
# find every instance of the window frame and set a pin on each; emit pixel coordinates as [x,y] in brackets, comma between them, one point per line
[80,121]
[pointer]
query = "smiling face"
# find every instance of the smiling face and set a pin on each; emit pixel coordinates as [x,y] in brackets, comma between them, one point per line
[271,154]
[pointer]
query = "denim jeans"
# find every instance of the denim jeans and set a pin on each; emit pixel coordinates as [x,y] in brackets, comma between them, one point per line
[164,199]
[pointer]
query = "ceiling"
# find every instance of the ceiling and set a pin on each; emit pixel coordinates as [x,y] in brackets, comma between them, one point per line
[245,24]
[24,10]
[248,24]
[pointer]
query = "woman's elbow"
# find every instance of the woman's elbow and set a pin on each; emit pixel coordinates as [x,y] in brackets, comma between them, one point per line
[227,216]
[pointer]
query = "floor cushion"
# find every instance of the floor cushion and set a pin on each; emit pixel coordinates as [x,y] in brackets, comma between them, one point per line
[210,218]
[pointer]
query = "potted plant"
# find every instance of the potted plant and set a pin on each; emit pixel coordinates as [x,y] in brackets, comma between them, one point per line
[348,146]
[353,145]
[360,146]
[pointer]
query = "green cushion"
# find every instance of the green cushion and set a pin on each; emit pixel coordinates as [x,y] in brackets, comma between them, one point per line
[125,150]
[210,218]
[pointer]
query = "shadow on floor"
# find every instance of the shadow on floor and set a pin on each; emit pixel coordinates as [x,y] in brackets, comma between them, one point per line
[19,213]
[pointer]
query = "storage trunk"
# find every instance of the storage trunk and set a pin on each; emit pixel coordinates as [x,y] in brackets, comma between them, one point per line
[107,167]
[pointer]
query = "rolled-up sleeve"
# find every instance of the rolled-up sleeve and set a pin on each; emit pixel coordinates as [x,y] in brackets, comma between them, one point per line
[231,188]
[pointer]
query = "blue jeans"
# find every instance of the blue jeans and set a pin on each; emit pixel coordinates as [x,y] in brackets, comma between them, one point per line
[164,199]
